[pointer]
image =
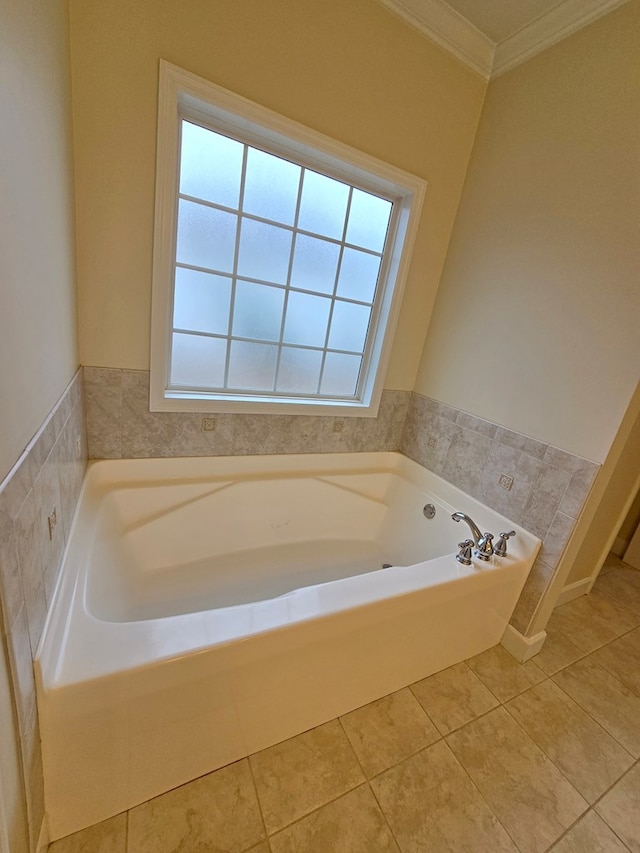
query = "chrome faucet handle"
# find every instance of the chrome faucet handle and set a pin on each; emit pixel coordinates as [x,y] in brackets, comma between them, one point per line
[484,550]
[501,548]
[464,556]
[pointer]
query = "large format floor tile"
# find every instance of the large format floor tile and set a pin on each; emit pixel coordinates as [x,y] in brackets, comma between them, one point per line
[608,701]
[453,697]
[593,620]
[527,792]
[219,811]
[432,805]
[621,809]
[622,586]
[587,755]
[301,774]
[384,732]
[110,836]
[352,824]
[502,673]
[590,835]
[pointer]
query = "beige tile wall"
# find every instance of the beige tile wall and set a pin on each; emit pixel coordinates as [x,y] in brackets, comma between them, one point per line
[549,486]
[48,474]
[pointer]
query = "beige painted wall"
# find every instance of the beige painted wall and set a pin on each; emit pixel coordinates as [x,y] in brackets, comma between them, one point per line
[536,321]
[351,70]
[38,354]
[621,473]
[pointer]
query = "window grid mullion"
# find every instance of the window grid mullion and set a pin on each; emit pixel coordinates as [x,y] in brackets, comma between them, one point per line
[288,282]
[335,290]
[234,278]
[275,284]
[285,226]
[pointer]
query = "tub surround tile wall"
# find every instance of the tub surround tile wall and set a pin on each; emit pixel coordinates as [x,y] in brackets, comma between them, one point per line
[548,489]
[120,425]
[48,474]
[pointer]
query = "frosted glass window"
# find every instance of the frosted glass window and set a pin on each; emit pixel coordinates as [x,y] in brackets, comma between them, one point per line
[368,220]
[306,320]
[315,263]
[252,366]
[323,206]
[279,265]
[257,311]
[197,361]
[206,236]
[265,251]
[210,165]
[271,187]
[358,275]
[349,325]
[201,302]
[340,375]
[299,371]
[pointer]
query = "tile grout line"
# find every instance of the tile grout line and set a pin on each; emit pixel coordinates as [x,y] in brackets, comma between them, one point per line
[255,790]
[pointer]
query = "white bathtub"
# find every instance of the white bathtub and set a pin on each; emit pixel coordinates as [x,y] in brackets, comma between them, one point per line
[208,608]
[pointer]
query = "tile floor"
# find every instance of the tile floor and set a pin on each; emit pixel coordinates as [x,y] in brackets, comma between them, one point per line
[488,755]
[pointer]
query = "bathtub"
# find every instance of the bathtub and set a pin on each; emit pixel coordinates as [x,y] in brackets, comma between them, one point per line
[208,608]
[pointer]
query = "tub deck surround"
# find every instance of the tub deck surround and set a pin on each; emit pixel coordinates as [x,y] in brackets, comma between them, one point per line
[145,681]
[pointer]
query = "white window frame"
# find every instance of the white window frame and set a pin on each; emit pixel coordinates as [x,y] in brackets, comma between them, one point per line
[184,95]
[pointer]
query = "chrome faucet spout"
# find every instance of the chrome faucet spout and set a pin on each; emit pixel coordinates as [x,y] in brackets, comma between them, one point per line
[473,527]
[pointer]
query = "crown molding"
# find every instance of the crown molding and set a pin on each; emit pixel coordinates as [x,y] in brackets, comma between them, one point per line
[447,28]
[558,23]
[453,32]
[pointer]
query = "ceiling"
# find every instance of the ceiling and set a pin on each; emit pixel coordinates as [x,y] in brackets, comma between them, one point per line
[493,36]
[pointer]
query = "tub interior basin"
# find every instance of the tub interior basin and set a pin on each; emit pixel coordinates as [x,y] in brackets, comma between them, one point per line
[180,547]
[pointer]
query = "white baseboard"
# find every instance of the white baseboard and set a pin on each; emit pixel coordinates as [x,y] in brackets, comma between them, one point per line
[574,590]
[521,647]
[43,838]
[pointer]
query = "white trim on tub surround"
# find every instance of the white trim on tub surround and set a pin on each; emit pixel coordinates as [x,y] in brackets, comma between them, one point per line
[521,647]
[574,590]
[447,28]
[547,491]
